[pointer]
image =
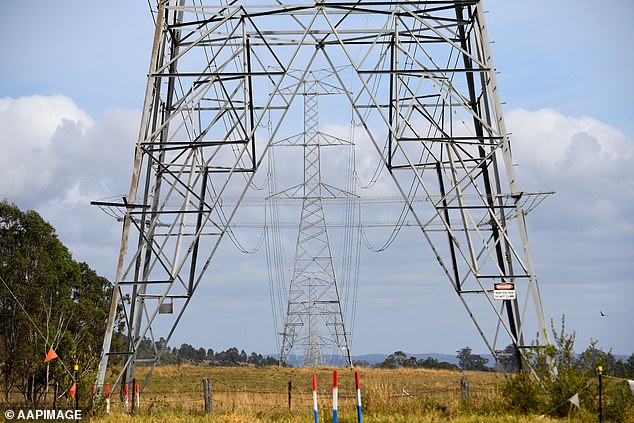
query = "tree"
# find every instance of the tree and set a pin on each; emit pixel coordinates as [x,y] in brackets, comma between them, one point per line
[469,361]
[593,357]
[187,353]
[271,361]
[432,363]
[201,354]
[255,359]
[46,299]
[396,359]
[400,359]
[625,369]
[169,356]
[231,357]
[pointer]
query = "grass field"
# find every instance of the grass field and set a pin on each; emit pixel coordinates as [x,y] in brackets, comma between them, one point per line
[249,394]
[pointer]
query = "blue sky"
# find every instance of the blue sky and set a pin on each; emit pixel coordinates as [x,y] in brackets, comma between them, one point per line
[71,85]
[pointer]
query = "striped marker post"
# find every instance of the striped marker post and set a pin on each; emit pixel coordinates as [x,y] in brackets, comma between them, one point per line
[359,411]
[315,410]
[127,398]
[108,399]
[335,395]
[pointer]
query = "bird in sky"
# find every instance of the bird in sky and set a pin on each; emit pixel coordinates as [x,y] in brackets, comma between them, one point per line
[603,314]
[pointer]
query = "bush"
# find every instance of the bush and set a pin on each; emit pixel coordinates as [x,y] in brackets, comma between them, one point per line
[559,374]
[523,393]
[618,401]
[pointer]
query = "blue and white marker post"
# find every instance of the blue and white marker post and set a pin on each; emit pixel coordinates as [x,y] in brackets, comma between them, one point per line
[359,410]
[315,410]
[335,395]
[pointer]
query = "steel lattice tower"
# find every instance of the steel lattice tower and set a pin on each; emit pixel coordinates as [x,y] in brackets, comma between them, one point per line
[314,321]
[420,81]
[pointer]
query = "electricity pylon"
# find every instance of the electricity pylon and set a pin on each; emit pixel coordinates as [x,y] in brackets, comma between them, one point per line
[314,324]
[420,81]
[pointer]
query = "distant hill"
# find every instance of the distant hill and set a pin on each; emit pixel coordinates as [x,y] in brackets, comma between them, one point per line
[370,358]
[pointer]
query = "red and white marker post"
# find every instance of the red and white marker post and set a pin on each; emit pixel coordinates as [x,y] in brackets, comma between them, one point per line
[127,398]
[359,410]
[107,399]
[315,410]
[335,396]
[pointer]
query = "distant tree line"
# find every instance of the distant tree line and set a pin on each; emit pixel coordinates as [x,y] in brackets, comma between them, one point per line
[400,359]
[589,359]
[466,361]
[187,354]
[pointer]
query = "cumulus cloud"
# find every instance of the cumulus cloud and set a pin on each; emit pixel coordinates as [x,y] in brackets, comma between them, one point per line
[54,150]
[28,125]
[547,141]
[587,162]
[56,158]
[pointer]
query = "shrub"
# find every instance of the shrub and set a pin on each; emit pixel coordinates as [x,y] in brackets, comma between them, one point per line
[559,374]
[523,394]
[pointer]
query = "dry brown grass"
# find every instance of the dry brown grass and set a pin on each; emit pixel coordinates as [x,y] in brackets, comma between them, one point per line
[249,394]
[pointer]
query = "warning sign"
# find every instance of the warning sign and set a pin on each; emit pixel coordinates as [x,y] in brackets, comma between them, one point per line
[504,291]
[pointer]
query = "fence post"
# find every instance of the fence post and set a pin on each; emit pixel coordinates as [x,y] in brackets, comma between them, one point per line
[290,396]
[464,388]
[207,394]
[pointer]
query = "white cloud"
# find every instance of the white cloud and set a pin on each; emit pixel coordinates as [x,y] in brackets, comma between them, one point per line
[545,139]
[28,125]
[56,158]
[54,151]
[36,118]
[587,162]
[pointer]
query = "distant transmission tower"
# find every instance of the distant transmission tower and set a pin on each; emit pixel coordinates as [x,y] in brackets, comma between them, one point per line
[419,80]
[314,320]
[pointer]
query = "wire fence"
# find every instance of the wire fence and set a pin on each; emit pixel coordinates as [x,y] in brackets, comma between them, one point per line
[270,392]
[229,398]
[249,392]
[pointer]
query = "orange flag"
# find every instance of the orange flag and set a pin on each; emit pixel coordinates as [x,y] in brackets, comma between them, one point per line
[51,355]
[73,390]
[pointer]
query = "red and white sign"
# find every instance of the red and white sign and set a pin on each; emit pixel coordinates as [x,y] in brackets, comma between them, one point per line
[504,291]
